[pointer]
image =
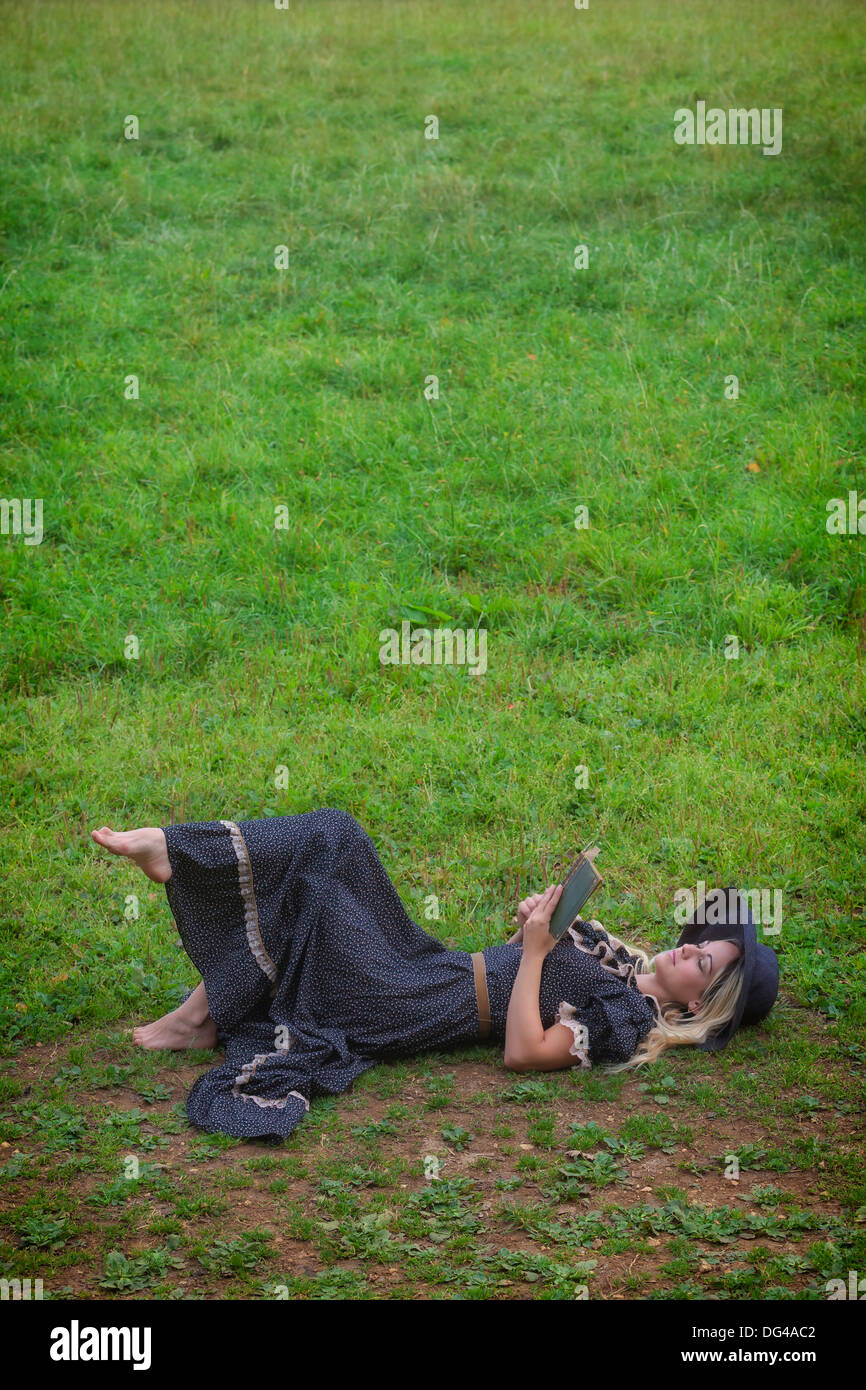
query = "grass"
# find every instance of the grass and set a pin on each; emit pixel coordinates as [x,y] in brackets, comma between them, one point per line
[257,687]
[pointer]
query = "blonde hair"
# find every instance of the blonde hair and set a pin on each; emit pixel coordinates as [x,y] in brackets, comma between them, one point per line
[675,1026]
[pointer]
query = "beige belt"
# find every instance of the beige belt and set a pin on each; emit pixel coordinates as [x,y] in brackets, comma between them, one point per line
[481,993]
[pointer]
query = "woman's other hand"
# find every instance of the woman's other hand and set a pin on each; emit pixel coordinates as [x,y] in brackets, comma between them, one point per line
[523,911]
[526,907]
[536,928]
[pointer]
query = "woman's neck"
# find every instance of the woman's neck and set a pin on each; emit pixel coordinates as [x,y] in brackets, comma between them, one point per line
[648,984]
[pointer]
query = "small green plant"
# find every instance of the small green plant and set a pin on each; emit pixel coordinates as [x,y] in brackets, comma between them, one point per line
[373,1128]
[630,1149]
[152,1091]
[125,1274]
[587,1136]
[660,1089]
[45,1232]
[749,1155]
[226,1257]
[600,1171]
[456,1137]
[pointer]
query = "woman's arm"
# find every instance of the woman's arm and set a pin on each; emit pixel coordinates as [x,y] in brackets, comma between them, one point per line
[527,1046]
[523,1031]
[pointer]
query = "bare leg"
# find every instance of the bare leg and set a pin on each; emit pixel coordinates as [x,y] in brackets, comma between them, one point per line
[146,847]
[188,1026]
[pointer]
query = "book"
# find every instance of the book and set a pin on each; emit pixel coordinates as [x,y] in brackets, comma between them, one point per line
[578,887]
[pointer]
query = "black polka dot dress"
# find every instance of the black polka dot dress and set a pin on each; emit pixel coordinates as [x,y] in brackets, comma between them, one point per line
[315,972]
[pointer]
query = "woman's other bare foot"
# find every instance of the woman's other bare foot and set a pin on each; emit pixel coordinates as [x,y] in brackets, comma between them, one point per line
[175,1030]
[189,1025]
[146,847]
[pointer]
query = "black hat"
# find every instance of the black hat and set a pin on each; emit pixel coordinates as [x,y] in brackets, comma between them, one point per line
[725,913]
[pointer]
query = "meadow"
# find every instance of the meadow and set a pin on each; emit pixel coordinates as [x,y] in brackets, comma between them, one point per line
[425,396]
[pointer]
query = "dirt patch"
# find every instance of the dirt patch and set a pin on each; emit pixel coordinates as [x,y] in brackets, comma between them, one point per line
[217,1194]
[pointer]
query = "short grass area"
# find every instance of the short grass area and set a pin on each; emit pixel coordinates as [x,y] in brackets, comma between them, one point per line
[168,653]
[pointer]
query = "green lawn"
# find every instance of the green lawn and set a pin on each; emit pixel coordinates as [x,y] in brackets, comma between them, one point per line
[608,646]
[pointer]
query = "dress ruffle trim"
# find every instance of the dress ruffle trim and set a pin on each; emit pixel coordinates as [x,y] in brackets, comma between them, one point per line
[580,1047]
[248,1071]
[620,962]
[596,942]
[248,898]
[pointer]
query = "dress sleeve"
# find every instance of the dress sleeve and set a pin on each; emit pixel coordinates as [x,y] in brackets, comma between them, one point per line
[608,1028]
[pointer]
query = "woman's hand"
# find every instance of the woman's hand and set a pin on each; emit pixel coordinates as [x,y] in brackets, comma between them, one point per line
[525,908]
[536,928]
[523,911]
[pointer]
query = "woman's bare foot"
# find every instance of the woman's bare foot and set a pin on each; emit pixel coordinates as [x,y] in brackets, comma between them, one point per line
[146,847]
[175,1030]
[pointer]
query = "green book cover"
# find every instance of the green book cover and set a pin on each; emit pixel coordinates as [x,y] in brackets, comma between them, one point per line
[578,886]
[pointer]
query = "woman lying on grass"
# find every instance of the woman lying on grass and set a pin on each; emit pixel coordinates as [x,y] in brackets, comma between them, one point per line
[312,972]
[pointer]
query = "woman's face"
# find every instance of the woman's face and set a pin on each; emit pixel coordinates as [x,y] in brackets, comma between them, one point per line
[685,971]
